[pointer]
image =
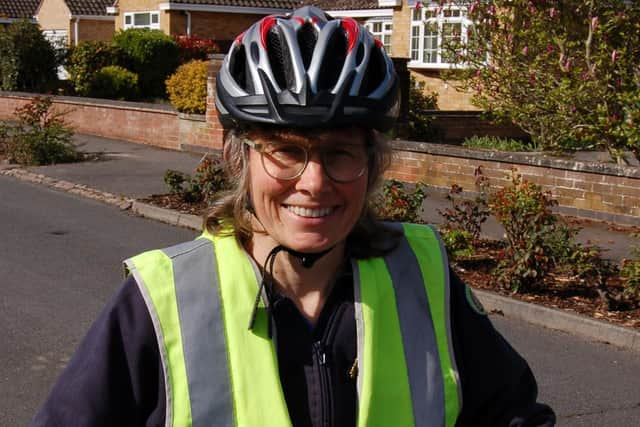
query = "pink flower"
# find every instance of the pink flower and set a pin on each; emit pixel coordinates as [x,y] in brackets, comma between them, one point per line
[586,76]
[525,50]
[418,5]
[594,23]
[550,48]
[614,56]
[567,65]
[553,12]
[473,7]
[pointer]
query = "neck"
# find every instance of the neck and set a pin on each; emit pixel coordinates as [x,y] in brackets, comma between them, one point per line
[308,288]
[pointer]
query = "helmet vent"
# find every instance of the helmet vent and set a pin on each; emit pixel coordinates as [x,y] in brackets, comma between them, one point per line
[334,57]
[307,38]
[360,54]
[374,75]
[238,67]
[280,59]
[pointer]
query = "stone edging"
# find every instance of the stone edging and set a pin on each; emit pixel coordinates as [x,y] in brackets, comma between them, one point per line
[532,313]
[530,159]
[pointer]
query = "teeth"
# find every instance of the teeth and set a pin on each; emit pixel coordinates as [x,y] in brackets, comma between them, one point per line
[309,213]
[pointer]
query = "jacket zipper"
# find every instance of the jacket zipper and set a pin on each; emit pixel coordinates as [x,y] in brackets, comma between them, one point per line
[321,363]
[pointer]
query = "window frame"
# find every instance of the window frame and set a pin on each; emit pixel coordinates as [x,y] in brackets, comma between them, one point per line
[132,17]
[432,14]
[386,29]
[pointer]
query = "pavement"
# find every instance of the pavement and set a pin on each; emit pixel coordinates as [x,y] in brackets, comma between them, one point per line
[123,172]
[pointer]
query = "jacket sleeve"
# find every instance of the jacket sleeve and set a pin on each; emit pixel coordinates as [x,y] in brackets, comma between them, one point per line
[498,387]
[115,377]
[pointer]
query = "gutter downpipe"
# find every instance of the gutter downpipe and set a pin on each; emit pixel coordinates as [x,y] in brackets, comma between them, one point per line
[186,12]
[76,24]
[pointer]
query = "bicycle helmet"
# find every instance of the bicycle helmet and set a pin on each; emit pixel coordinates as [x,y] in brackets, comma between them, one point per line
[307,69]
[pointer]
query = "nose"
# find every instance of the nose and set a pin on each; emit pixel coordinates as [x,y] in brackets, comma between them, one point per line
[314,179]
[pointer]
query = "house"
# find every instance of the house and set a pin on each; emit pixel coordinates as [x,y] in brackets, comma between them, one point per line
[72,21]
[15,10]
[410,29]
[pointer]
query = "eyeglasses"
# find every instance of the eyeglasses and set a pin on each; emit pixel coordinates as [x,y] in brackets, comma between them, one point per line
[342,163]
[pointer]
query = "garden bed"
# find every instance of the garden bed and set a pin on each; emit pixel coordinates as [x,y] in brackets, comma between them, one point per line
[558,291]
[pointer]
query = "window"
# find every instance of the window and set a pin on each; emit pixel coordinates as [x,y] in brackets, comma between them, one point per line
[142,20]
[381,29]
[432,27]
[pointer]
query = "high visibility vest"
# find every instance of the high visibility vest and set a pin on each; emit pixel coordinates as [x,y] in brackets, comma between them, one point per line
[218,372]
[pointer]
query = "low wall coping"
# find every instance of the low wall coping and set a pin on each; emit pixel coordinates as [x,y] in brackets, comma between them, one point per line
[192,117]
[522,158]
[98,102]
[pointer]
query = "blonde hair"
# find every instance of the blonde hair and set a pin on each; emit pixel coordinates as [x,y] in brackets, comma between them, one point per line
[231,212]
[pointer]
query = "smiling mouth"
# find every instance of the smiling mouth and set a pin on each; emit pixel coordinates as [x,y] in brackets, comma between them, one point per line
[309,213]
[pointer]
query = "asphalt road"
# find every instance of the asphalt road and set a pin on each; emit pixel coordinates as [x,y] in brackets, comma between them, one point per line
[60,261]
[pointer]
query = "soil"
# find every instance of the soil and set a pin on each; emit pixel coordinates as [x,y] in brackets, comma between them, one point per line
[559,291]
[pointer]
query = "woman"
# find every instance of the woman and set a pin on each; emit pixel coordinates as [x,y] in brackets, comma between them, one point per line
[295,307]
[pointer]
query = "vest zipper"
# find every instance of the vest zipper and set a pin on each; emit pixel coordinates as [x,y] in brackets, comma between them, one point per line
[321,362]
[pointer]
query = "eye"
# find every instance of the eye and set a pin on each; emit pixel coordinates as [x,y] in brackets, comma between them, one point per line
[288,153]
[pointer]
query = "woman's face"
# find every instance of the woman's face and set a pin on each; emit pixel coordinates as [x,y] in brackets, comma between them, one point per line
[312,212]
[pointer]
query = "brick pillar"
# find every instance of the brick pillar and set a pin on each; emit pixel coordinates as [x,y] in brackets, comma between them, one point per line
[401,30]
[211,114]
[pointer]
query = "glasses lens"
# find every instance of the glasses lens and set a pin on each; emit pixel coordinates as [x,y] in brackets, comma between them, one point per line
[284,161]
[346,162]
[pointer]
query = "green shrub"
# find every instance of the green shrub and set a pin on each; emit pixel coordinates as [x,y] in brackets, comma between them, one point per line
[187,88]
[40,136]
[631,274]
[209,180]
[114,82]
[85,60]
[396,203]
[495,143]
[27,59]
[524,211]
[151,54]
[459,243]
[421,125]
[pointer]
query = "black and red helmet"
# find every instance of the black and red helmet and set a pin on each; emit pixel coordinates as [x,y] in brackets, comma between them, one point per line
[308,69]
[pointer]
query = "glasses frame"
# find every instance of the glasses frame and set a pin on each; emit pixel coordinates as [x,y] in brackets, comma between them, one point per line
[260,148]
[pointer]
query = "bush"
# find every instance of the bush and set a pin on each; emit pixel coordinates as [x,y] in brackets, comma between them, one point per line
[187,88]
[209,180]
[114,82]
[195,48]
[151,54]
[631,274]
[500,144]
[459,243]
[420,124]
[467,215]
[85,60]
[40,136]
[396,203]
[27,59]
[524,211]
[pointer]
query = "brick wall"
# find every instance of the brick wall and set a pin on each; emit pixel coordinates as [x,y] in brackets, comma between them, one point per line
[54,15]
[449,99]
[593,190]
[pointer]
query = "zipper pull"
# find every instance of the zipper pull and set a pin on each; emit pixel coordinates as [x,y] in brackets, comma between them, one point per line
[353,371]
[320,354]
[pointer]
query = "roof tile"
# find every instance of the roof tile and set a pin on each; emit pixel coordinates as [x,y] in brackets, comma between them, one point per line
[88,7]
[17,9]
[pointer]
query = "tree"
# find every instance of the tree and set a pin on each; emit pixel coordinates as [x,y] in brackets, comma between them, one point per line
[566,72]
[28,61]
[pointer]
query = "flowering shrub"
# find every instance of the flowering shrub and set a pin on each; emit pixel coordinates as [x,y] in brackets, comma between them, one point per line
[187,87]
[194,47]
[396,203]
[566,72]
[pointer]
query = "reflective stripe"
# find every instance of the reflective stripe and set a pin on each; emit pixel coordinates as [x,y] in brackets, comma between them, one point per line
[202,331]
[433,263]
[418,335]
[385,397]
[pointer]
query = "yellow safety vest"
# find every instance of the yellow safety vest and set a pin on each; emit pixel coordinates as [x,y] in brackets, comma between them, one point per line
[201,294]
